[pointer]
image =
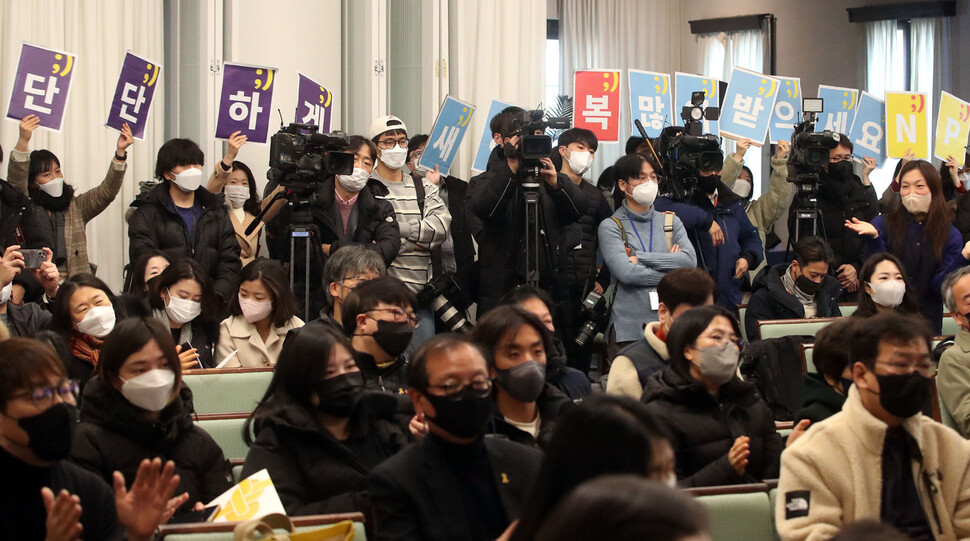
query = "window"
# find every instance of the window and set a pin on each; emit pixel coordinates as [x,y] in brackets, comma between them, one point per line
[552,63]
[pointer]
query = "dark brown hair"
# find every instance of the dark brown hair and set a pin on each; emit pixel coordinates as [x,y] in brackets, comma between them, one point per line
[867,307]
[25,362]
[274,278]
[127,338]
[939,219]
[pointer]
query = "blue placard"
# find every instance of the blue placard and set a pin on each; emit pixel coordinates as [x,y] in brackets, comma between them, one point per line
[788,108]
[485,145]
[446,135]
[749,104]
[838,108]
[651,101]
[687,83]
[868,133]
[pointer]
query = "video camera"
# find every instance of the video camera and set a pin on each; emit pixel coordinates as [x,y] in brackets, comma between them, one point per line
[809,154]
[300,157]
[684,151]
[533,147]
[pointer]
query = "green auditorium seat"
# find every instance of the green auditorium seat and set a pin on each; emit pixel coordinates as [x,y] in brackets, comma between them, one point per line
[777,328]
[223,531]
[738,513]
[227,430]
[235,390]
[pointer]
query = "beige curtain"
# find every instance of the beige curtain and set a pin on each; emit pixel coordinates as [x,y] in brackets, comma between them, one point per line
[99,33]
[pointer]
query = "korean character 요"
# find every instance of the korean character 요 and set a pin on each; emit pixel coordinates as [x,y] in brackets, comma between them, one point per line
[33,86]
[872,134]
[598,110]
[651,112]
[135,102]
[746,110]
[240,111]
[446,142]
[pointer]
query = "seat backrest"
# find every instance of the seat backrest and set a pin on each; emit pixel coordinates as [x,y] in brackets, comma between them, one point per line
[806,351]
[222,531]
[777,328]
[950,327]
[227,430]
[236,390]
[740,516]
[847,308]
[742,309]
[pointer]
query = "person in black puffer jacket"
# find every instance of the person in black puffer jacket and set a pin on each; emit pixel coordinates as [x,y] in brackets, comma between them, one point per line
[136,408]
[802,289]
[577,147]
[317,432]
[723,433]
[183,219]
[13,206]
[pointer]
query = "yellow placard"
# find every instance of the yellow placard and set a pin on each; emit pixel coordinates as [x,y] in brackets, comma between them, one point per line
[906,125]
[952,128]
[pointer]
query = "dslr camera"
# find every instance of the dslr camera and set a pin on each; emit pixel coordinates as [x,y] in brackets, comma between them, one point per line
[299,157]
[809,154]
[596,314]
[436,295]
[685,151]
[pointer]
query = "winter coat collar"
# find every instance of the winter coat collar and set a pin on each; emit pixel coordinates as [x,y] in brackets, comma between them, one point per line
[160,195]
[670,384]
[658,345]
[870,431]
[105,406]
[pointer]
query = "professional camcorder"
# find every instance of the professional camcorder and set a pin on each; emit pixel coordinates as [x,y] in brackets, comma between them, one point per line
[300,157]
[809,154]
[684,151]
[534,144]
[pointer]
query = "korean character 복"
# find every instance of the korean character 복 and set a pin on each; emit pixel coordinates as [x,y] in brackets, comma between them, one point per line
[598,110]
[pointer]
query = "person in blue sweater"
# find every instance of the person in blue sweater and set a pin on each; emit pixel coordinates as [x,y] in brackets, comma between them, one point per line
[726,242]
[638,252]
[920,233]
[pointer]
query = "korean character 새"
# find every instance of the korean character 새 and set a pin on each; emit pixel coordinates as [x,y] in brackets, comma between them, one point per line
[446,142]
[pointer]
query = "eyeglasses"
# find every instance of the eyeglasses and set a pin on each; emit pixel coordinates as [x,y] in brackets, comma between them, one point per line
[399,316]
[453,391]
[651,176]
[357,279]
[43,397]
[927,370]
[416,155]
[388,144]
[840,159]
[721,339]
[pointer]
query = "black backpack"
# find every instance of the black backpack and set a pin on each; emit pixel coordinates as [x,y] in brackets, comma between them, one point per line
[775,367]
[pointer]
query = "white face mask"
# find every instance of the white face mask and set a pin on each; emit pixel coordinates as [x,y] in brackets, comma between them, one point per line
[916,203]
[742,187]
[355,181]
[6,292]
[645,193]
[889,293]
[98,322]
[182,310]
[394,157]
[671,481]
[237,196]
[580,161]
[189,180]
[255,311]
[150,391]
[963,178]
[54,188]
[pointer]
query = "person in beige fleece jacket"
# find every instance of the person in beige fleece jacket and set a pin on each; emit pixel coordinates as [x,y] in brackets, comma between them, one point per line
[880,457]
[678,291]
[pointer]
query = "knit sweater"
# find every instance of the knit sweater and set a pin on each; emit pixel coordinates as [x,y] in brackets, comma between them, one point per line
[418,234]
[635,281]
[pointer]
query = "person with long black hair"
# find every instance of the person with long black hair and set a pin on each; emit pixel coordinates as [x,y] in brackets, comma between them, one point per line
[316,432]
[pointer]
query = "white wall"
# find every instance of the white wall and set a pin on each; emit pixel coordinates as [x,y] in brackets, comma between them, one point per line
[292,36]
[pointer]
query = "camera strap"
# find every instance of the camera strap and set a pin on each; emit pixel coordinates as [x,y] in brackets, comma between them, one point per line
[669,228]
[622,234]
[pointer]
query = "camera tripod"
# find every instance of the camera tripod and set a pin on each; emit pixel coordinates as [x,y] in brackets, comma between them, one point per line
[535,237]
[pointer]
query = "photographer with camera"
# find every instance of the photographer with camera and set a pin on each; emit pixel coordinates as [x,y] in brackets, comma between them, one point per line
[640,245]
[842,196]
[344,209]
[577,147]
[502,199]
[728,245]
[422,217]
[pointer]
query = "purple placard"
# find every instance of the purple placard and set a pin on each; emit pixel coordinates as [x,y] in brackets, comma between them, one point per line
[42,84]
[246,102]
[133,95]
[314,104]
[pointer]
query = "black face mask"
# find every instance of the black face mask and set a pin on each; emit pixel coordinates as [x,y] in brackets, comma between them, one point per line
[49,434]
[708,184]
[903,395]
[807,286]
[465,415]
[393,337]
[339,395]
[840,172]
